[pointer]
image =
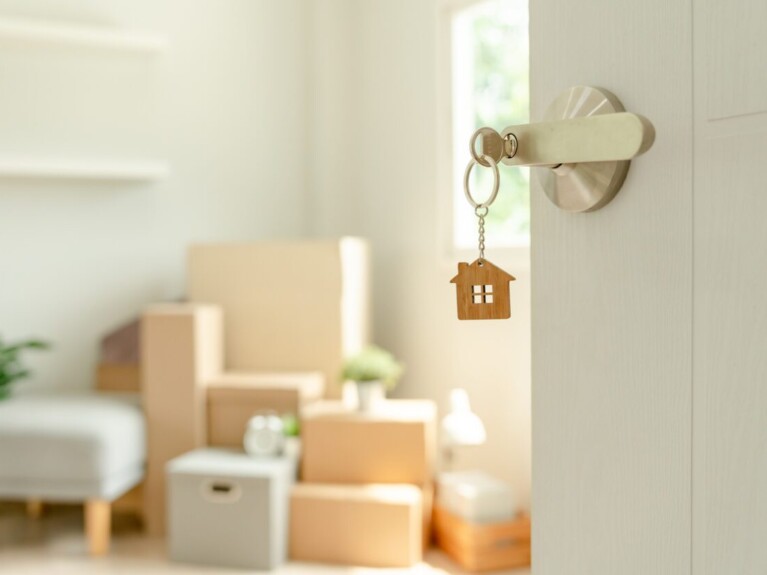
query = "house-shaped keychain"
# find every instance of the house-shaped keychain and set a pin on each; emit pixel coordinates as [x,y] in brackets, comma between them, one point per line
[483,291]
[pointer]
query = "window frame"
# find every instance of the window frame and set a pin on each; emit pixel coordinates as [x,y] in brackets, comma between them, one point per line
[516,256]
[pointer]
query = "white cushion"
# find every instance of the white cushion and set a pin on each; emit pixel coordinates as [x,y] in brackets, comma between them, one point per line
[70,446]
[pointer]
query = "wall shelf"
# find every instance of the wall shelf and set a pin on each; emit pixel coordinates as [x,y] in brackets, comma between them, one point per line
[28,30]
[125,171]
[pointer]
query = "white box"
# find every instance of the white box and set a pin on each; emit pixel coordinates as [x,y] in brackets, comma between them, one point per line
[476,496]
[228,509]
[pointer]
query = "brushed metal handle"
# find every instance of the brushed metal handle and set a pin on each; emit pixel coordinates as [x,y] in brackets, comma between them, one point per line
[605,138]
[588,139]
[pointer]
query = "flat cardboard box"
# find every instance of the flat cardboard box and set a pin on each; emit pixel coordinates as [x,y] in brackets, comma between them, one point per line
[483,546]
[393,444]
[131,501]
[122,344]
[233,398]
[289,306]
[181,350]
[365,525]
[119,377]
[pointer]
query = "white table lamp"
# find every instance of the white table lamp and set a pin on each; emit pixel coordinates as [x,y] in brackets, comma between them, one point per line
[461,426]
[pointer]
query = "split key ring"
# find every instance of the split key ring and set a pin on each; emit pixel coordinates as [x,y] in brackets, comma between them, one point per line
[496,181]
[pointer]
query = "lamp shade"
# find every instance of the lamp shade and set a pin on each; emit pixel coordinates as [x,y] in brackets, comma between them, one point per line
[461,426]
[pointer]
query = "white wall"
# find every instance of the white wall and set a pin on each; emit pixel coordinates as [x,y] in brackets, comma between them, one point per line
[376,174]
[225,105]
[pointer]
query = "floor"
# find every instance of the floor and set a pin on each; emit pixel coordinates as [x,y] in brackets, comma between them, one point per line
[54,544]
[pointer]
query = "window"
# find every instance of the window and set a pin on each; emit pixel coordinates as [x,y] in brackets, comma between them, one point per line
[482,293]
[489,87]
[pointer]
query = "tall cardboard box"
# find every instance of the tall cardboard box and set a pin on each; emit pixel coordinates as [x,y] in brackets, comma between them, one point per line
[393,444]
[288,306]
[233,398]
[181,350]
[367,525]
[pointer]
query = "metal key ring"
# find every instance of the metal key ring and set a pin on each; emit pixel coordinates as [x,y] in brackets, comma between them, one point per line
[479,158]
[496,181]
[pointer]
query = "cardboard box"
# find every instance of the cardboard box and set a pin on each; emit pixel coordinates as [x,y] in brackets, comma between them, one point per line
[483,546]
[289,306]
[366,525]
[181,350]
[233,398]
[427,506]
[120,377]
[131,501]
[122,344]
[394,444]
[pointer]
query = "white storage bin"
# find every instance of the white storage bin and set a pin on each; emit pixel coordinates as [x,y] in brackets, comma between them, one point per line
[476,496]
[228,509]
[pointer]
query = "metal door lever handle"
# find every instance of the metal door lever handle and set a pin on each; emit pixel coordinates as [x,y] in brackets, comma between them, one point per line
[604,138]
[588,139]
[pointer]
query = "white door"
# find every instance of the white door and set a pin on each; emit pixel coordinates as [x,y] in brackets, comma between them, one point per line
[649,316]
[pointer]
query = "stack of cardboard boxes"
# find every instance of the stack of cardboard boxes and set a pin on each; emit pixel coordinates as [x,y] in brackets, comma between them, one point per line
[267,326]
[366,491]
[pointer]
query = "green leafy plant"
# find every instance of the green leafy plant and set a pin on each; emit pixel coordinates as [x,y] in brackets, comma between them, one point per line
[290,425]
[11,367]
[373,364]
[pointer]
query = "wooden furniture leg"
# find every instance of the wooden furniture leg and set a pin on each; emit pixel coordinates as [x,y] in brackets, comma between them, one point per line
[34,508]
[98,525]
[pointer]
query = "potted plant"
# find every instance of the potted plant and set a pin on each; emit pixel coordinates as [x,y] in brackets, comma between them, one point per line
[11,368]
[374,371]
[291,428]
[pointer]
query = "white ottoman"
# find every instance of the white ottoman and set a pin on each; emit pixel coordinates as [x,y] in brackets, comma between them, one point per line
[228,509]
[72,447]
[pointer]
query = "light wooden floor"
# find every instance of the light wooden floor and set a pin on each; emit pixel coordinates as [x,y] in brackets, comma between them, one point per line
[55,544]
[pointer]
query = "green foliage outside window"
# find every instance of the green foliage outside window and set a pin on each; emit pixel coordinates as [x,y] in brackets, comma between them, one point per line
[499,34]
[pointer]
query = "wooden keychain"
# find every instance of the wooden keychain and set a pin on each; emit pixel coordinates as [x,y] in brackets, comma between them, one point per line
[482,288]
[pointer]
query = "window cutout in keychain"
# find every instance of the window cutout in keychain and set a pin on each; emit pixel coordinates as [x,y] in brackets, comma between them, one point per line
[482,288]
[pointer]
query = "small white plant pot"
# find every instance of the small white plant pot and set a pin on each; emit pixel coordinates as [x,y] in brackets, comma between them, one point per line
[369,395]
[292,448]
